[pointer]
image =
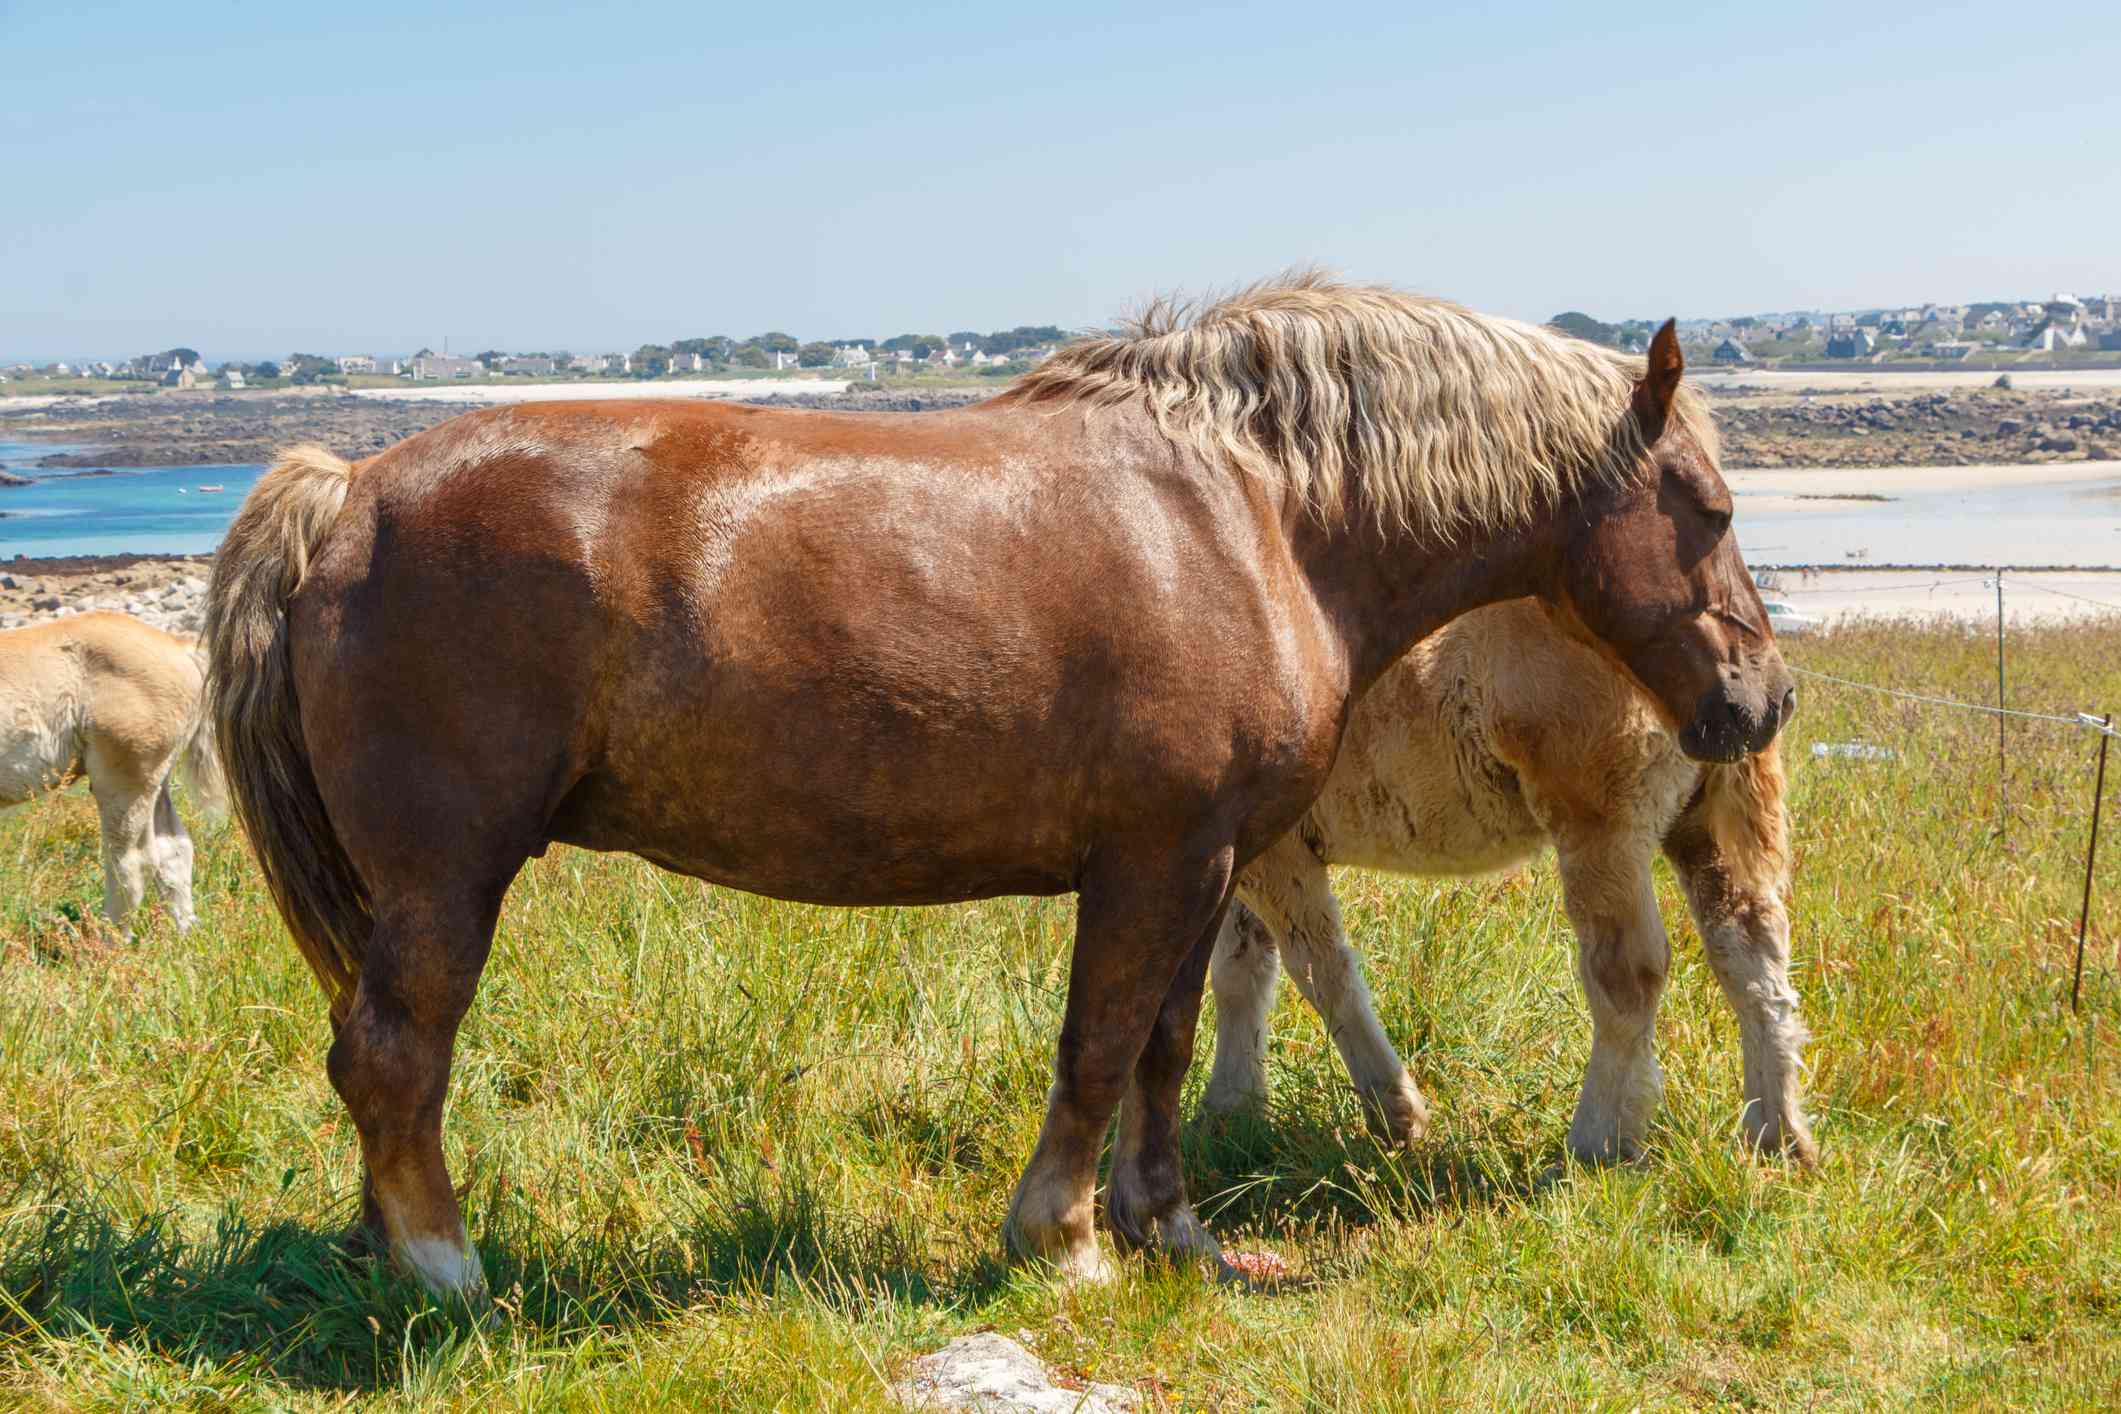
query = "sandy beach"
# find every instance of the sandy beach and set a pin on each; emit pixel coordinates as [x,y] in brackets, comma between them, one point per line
[2028,596]
[2053,515]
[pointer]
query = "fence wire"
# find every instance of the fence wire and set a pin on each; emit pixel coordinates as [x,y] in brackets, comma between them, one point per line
[2080,719]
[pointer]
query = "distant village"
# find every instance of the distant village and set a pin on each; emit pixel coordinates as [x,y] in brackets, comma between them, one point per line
[1002,353]
[2061,326]
[1944,333]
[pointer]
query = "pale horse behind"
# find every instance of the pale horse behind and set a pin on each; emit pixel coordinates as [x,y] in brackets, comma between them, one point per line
[119,701]
[1493,737]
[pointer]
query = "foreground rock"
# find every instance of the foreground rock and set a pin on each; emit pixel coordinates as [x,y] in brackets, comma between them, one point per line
[991,1372]
[168,592]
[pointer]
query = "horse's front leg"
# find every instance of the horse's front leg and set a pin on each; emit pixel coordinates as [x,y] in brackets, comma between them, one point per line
[1137,930]
[1745,930]
[1622,957]
[172,858]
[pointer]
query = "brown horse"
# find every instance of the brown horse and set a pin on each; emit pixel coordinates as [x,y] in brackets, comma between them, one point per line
[1100,633]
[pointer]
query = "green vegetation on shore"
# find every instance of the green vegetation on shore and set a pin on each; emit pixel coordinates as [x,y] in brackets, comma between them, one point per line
[722,1152]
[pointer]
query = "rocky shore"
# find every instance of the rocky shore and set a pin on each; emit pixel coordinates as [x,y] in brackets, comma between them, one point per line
[238,429]
[1925,429]
[210,430]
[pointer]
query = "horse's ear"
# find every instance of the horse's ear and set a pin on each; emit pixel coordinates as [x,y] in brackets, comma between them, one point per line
[1653,396]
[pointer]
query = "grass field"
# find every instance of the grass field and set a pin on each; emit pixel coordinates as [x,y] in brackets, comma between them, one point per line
[721,1152]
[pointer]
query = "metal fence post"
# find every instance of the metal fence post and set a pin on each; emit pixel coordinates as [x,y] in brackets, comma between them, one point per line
[2091,853]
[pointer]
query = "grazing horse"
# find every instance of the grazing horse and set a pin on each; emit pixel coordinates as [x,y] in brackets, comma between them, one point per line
[1493,737]
[1100,633]
[117,700]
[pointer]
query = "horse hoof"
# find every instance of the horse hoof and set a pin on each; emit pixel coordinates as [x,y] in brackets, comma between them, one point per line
[446,1268]
[1223,1105]
[1398,1120]
[1071,1257]
[1397,1116]
[1786,1141]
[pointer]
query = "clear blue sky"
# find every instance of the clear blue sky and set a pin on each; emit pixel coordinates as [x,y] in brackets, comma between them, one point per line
[256,178]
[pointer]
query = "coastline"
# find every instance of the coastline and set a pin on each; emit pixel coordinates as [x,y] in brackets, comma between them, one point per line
[1864,511]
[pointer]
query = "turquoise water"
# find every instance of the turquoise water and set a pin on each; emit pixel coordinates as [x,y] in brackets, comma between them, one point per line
[140,510]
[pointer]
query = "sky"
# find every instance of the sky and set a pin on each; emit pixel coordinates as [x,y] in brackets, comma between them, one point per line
[251,179]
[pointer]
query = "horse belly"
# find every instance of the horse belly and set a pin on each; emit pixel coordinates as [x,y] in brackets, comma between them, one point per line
[806,796]
[36,755]
[1434,833]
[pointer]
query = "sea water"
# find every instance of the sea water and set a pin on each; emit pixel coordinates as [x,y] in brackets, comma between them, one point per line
[135,510]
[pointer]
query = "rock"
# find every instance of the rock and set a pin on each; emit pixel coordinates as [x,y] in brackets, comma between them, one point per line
[2003,380]
[2058,442]
[990,1372]
[8,478]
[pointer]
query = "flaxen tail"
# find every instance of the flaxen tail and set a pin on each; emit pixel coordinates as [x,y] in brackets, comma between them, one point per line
[201,763]
[257,724]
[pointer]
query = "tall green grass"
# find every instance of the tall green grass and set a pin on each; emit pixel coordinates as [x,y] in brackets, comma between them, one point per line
[723,1152]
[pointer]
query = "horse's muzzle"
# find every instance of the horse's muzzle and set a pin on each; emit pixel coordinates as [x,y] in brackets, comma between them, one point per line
[1728,725]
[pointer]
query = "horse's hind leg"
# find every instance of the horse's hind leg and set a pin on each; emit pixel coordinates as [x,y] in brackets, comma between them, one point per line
[1294,897]
[390,1062]
[1245,969]
[1147,1199]
[1622,957]
[125,807]
[172,858]
[1746,933]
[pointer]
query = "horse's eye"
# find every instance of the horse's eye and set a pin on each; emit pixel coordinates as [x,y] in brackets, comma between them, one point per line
[1719,521]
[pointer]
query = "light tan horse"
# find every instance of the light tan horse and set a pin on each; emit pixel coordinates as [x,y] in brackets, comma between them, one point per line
[117,700]
[1492,738]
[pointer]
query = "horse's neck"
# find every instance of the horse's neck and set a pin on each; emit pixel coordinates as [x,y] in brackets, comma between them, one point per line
[1386,591]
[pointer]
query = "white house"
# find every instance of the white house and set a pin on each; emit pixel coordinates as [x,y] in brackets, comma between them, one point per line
[442,366]
[2055,334]
[356,363]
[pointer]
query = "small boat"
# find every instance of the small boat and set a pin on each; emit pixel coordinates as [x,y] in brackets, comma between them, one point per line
[213,488]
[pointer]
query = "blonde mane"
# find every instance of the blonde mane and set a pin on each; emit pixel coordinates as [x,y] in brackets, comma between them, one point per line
[1417,412]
